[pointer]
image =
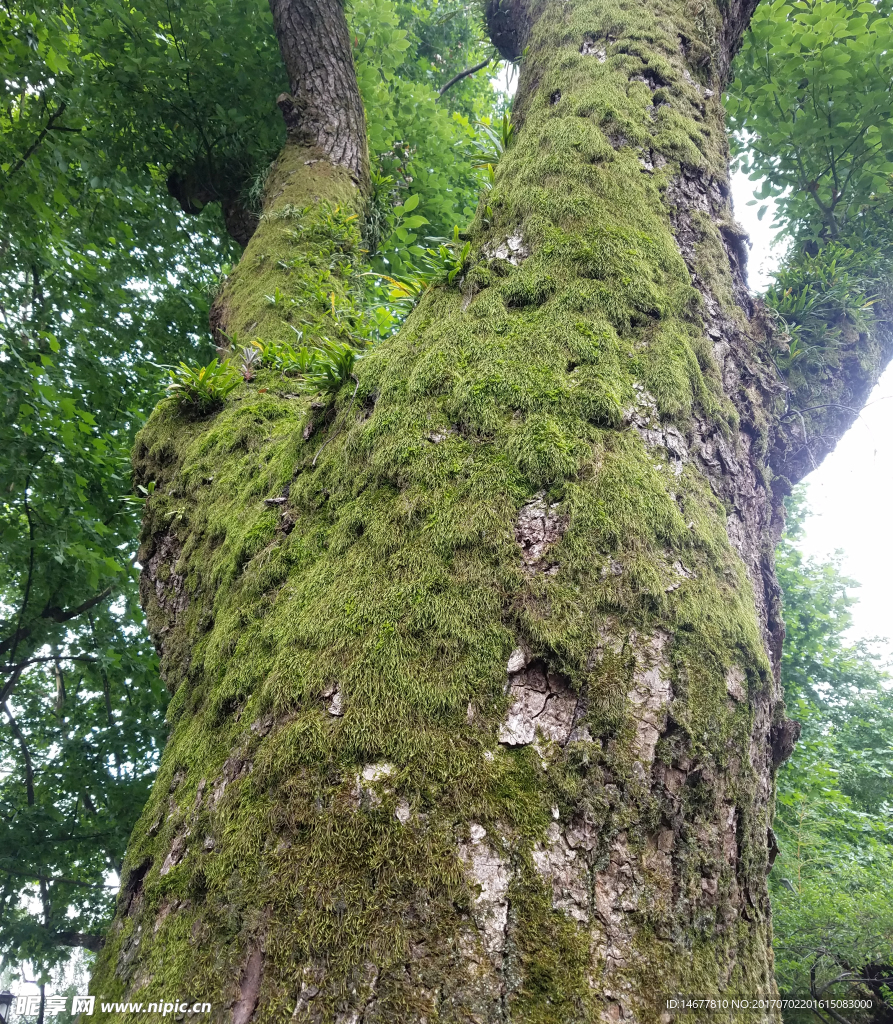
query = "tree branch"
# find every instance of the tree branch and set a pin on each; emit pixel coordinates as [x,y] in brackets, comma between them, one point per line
[51,878]
[5,669]
[20,163]
[465,74]
[56,615]
[63,615]
[14,641]
[29,768]
[77,940]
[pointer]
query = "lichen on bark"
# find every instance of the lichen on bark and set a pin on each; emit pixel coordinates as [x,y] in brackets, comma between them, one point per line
[592,529]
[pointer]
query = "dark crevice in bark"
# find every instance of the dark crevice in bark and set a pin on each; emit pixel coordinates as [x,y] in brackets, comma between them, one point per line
[132,884]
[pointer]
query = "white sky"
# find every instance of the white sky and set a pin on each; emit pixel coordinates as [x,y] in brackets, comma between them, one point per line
[851,492]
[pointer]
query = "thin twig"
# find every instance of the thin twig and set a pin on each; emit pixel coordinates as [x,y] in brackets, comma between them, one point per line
[18,633]
[6,669]
[29,768]
[58,878]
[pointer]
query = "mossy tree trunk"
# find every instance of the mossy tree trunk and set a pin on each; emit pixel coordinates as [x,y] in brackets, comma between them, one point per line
[476,708]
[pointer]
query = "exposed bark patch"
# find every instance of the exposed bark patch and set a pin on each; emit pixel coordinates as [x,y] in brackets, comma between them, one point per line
[566,871]
[164,911]
[593,48]
[312,981]
[650,698]
[249,989]
[233,768]
[543,702]
[736,683]
[513,250]
[124,968]
[617,890]
[772,846]
[490,872]
[643,417]
[334,700]
[683,572]
[369,785]
[167,587]
[537,528]
[324,109]
[176,852]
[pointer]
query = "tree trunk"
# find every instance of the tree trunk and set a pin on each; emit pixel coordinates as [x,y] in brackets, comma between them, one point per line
[476,708]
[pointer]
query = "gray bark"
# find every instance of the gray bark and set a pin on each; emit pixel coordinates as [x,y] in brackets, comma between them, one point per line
[325,109]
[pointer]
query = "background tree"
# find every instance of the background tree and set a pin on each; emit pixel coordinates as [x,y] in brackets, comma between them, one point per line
[80,329]
[833,917]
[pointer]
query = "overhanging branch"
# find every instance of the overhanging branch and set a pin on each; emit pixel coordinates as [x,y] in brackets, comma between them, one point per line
[465,74]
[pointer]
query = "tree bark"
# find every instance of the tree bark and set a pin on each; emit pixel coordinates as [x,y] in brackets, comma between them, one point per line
[327,109]
[477,710]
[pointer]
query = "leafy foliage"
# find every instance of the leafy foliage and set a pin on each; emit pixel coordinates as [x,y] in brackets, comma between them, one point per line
[324,369]
[819,298]
[810,115]
[100,280]
[491,142]
[422,145]
[830,885]
[201,389]
[811,111]
[331,368]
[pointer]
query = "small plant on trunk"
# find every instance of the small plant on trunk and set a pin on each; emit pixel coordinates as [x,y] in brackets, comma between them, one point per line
[201,389]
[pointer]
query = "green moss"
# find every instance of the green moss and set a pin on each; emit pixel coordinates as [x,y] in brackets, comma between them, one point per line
[554,958]
[305,243]
[392,571]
